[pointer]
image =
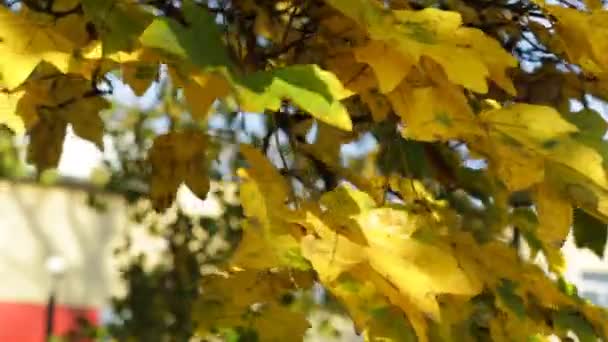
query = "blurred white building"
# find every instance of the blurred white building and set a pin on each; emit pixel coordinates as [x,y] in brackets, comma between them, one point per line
[54,229]
[50,238]
[588,272]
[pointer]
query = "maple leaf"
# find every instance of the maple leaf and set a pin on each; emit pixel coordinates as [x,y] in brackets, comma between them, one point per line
[542,131]
[260,250]
[139,76]
[260,304]
[467,55]
[45,148]
[199,42]
[432,113]
[201,90]
[49,105]
[118,22]
[330,253]
[315,90]
[584,36]
[26,42]
[392,254]
[555,218]
[176,158]
[264,193]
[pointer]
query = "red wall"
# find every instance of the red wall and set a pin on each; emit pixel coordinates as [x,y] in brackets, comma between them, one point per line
[21,322]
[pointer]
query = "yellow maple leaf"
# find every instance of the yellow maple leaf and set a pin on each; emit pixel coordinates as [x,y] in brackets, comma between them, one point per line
[543,131]
[360,296]
[252,299]
[432,113]
[201,90]
[389,229]
[594,4]
[331,257]
[419,271]
[264,192]
[467,55]
[416,316]
[555,216]
[342,206]
[25,43]
[581,190]
[328,142]
[390,66]
[584,36]
[517,167]
[260,250]
[434,261]
[357,77]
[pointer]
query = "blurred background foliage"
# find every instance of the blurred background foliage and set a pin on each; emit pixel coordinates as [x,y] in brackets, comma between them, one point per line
[160,298]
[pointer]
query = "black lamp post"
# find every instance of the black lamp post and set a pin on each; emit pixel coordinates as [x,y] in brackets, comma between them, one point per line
[55,266]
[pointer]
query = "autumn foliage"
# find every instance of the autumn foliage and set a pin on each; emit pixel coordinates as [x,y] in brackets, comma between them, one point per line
[488,148]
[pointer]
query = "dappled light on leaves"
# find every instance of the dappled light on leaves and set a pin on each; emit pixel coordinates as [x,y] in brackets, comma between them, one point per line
[421,161]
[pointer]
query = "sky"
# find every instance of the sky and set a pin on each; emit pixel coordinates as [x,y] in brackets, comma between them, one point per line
[81,157]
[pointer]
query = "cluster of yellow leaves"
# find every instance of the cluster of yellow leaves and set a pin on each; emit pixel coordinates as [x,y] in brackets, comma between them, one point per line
[267,241]
[583,36]
[253,300]
[46,83]
[422,61]
[409,263]
[385,261]
[380,259]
